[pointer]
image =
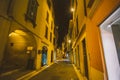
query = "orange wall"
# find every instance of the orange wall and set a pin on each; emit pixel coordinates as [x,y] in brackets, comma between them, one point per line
[93,46]
[102,12]
[105,8]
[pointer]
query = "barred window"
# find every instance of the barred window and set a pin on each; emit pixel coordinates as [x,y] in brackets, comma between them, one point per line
[32,11]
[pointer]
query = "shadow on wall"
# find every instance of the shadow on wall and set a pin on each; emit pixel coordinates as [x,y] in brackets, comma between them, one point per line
[20,50]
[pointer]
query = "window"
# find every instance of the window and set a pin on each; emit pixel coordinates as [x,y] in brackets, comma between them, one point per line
[85,11]
[49,4]
[77,26]
[47,17]
[51,25]
[85,58]
[50,36]
[110,39]
[76,2]
[32,11]
[78,57]
[116,34]
[90,3]
[46,33]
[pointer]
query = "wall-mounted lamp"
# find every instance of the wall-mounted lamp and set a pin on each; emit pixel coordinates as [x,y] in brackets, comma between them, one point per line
[72,9]
[109,26]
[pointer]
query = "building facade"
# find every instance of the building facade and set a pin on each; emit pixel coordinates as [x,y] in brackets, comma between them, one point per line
[93,57]
[26,32]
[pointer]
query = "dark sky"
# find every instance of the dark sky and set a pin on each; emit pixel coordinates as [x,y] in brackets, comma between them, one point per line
[62,17]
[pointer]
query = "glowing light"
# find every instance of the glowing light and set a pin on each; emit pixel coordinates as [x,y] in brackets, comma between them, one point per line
[109,26]
[29,48]
[69,41]
[72,9]
[13,34]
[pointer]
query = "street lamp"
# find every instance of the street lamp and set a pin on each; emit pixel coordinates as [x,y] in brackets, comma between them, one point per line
[72,12]
[69,41]
[72,9]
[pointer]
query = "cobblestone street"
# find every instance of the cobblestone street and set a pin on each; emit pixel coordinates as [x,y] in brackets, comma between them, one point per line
[62,70]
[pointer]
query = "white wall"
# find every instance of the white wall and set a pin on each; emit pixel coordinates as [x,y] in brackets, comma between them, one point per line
[110,52]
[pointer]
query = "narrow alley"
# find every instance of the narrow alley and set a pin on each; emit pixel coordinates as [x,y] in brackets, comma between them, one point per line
[59,39]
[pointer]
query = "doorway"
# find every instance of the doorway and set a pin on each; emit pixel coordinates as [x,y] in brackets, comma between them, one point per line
[52,56]
[110,35]
[44,55]
[85,59]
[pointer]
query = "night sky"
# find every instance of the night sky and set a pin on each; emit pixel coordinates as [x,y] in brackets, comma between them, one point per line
[62,17]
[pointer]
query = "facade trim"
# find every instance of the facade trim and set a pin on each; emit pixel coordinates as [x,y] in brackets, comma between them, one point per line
[109,15]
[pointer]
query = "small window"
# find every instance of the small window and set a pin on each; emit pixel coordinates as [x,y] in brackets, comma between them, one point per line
[47,17]
[85,11]
[77,30]
[51,25]
[90,3]
[49,4]
[76,2]
[32,11]
[46,33]
[50,36]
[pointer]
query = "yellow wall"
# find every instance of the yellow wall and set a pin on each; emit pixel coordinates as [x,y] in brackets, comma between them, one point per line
[4,29]
[96,74]
[18,22]
[80,12]
[96,15]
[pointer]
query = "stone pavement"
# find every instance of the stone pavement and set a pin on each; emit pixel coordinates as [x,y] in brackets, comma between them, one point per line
[62,70]
[13,75]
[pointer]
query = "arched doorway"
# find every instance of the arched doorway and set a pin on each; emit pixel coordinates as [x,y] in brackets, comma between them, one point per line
[44,55]
[20,50]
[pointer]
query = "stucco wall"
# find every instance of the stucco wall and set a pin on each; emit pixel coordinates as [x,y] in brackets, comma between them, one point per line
[4,29]
[93,46]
